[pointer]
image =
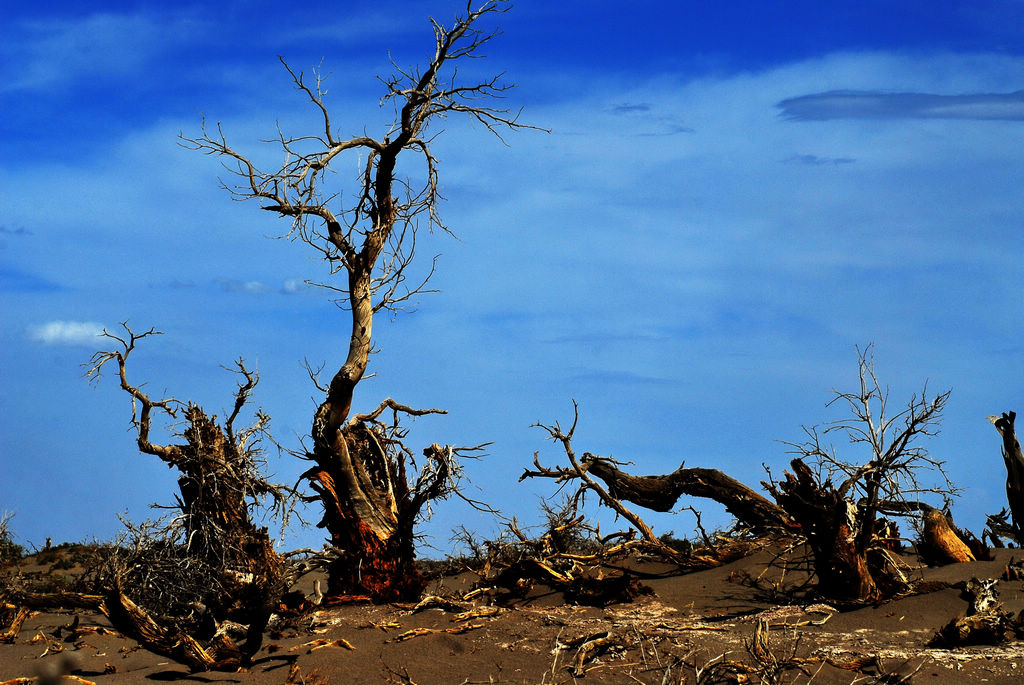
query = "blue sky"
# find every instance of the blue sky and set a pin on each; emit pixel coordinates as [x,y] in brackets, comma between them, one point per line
[732,197]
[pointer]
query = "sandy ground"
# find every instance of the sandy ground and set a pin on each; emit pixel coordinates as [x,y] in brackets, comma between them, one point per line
[691,622]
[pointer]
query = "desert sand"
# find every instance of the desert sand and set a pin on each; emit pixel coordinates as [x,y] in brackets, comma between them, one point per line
[698,625]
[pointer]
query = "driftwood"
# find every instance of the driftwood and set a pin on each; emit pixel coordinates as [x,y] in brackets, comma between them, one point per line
[18,615]
[516,580]
[941,541]
[135,622]
[132,620]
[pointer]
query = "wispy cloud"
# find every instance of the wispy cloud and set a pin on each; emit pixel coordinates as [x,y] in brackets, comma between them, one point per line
[816,160]
[363,26]
[855,104]
[629,108]
[16,280]
[291,286]
[236,286]
[66,333]
[48,52]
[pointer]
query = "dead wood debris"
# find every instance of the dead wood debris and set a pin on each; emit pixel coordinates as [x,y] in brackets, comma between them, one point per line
[985,623]
[437,602]
[1014,570]
[18,616]
[311,677]
[321,643]
[419,632]
[483,612]
[778,616]
[27,681]
[589,647]
[655,492]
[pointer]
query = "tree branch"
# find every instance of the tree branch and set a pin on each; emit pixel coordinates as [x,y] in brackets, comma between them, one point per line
[141,418]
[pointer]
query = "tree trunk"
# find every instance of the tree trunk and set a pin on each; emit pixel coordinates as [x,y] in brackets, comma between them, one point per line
[941,543]
[214,489]
[659,493]
[1014,460]
[215,484]
[368,509]
[365,496]
[829,522]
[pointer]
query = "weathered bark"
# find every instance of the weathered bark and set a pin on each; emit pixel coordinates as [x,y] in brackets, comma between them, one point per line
[214,503]
[17,614]
[370,511]
[660,493]
[219,480]
[362,491]
[1014,460]
[828,521]
[220,655]
[132,620]
[940,541]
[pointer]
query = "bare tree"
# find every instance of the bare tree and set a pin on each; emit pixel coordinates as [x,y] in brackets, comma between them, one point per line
[212,546]
[10,551]
[839,502]
[370,243]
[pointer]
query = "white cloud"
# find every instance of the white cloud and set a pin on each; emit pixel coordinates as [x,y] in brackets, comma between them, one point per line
[66,333]
[849,104]
[47,53]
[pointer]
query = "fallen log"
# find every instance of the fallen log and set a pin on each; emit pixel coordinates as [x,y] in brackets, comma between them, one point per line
[660,493]
[941,541]
[10,634]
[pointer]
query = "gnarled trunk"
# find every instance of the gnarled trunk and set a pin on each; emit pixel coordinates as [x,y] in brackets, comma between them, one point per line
[1014,460]
[829,522]
[367,515]
[213,502]
[368,510]
[659,493]
[363,489]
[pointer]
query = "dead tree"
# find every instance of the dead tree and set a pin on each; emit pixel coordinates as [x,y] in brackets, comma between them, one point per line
[658,493]
[220,481]
[839,502]
[372,531]
[370,242]
[998,524]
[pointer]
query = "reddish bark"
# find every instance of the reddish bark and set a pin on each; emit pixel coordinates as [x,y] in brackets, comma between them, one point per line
[369,514]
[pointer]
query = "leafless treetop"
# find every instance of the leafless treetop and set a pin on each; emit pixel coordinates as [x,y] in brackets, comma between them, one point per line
[379,220]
